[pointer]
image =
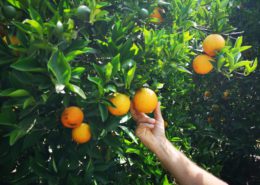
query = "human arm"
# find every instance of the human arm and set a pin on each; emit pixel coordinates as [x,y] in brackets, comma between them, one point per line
[152,134]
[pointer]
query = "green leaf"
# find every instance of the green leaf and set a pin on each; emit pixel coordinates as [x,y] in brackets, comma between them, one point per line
[89,166]
[71,55]
[103,167]
[239,42]
[110,88]
[7,117]
[15,135]
[221,61]
[15,3]
[103,111]
[31,139]
[175,139]
[251,67]
[99,83]
[14,93]
[163,3]
[23,27]
[177,50]
[34,14]
[116,64]
[54,166]
[244,48]
[147,36]
[42,44]
[133,151]
[230,59]
[8,124]
[100,71]
[76,89]
[34,24]
[28,101]
[134,49]
[183,69]
[125,49]
[129,133]
[166,181]
[187,36]
[77,72]
[127,65]
[112,124]
[59,67]
[41,170]
[108,72]
[27,64]
[130,76]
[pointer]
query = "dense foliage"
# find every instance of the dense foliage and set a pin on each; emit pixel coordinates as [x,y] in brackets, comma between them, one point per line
[59,53]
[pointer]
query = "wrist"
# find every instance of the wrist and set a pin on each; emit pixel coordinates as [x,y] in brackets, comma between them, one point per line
[159,145]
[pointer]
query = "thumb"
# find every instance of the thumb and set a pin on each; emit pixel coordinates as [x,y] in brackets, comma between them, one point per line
[158,113]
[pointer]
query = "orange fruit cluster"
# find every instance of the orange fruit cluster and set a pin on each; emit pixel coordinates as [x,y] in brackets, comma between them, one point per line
[72,117]
[211,44]
[145,100]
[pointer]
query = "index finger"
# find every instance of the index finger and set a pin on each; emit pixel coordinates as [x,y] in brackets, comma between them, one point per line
[135,114]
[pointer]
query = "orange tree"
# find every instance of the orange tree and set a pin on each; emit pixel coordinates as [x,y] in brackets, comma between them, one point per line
[56,54]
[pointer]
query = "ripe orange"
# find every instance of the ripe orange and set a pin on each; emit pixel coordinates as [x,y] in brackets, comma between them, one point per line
[207,94]
[210,119]
[156,16]
[145,100]
[122,103]
[72,117]
[166,124]
[226,94]
[213,43]
[202,65]
[81,134]
[13,40]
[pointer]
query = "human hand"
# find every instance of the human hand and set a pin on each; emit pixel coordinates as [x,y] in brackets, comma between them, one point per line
[151,131]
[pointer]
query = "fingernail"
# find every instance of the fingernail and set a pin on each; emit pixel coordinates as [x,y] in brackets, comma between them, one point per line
[152,120]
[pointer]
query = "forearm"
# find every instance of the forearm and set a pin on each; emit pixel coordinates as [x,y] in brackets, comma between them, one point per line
[183,169]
